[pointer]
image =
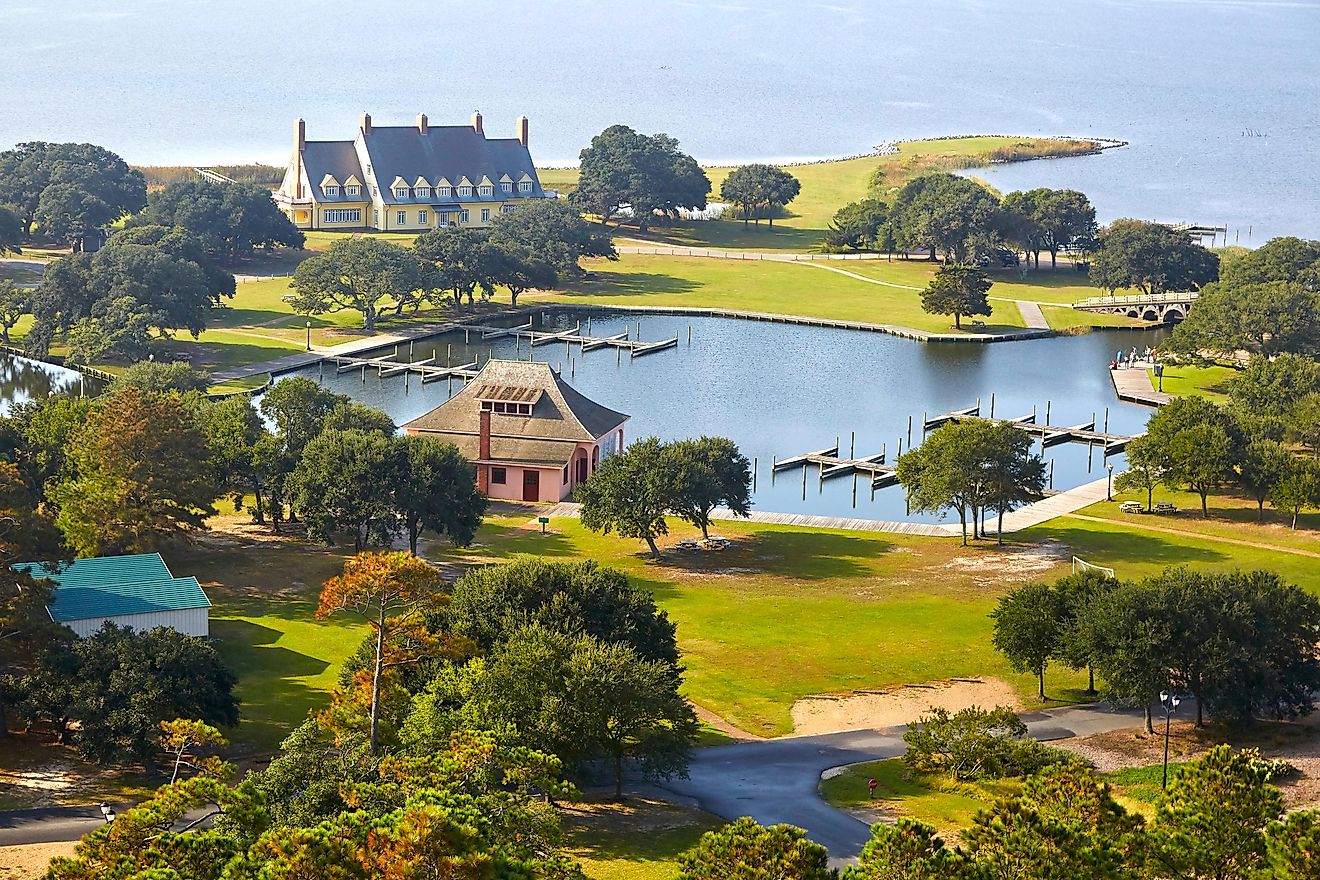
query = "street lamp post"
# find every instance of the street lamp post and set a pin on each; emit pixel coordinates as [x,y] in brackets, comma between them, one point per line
[1169,702]
[1109,484]
[309,335]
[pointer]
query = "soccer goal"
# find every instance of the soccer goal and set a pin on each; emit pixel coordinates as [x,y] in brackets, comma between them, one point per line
[1079,564]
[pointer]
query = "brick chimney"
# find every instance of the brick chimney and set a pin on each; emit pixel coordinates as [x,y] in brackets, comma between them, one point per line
[299,142]
[421,122]
[365,123]
[522,130]
[483,452]
[476,123]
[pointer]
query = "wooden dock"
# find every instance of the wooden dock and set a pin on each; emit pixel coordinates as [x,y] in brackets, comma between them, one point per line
[831,465]
[385,366]
[1133,385]
[1049,435]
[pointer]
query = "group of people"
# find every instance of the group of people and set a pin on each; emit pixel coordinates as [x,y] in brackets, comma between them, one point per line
[1131,359]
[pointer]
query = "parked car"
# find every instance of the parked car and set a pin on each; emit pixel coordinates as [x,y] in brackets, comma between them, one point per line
[1165,507]
[1131,507]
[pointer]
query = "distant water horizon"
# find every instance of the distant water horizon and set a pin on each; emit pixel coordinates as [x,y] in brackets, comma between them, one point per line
[1218,99]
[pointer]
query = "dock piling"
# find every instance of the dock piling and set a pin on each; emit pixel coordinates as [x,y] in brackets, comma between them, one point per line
[804,481]
[909,433]
[1047,414]
[1051,473]
[753,473]
[852,444]
[1106,430]
[992,404]
[689,335]
[854,500]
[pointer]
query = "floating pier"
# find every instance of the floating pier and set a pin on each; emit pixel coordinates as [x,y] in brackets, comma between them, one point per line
[831,465]
[386,366]
[1050,435]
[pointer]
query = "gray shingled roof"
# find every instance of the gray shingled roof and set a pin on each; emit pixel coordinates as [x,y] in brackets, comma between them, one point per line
[449,151]
[561,413]
[339,160]
[515,450]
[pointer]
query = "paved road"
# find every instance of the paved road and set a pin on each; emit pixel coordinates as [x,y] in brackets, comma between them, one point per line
[776,780]
[49,825]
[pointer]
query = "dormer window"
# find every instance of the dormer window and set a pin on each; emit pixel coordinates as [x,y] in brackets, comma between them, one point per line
[524,186]
[465,192]
[485,190]
[506,186]
[422,192]
[444,192]
[331,192]
[401,192]
[353,190]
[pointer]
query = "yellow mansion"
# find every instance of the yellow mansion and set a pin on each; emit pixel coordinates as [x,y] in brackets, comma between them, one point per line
[407,177]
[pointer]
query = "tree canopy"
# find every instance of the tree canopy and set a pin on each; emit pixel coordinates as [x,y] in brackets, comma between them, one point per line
[230,219]
[958,289]
[948,215]
[1287,259]
[1152,257]
[68,190]
[631,492]
[759,190]
[552,232]
[360,274]
[1269,318]
[1049,219]
[646,174]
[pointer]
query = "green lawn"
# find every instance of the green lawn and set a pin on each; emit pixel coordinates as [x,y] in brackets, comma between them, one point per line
[758,286]
[932,798]
[638,840]
[1201,381]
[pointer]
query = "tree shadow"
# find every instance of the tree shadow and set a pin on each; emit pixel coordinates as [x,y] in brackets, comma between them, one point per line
[628,284]
[273,699]
[1131,548]
[782,552]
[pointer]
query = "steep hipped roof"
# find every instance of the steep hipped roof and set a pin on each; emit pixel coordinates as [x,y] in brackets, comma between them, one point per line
[335,158]
[112,586]
[450,151]
[560,413]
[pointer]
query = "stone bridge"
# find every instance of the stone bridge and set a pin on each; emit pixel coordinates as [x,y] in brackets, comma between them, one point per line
[1166,308]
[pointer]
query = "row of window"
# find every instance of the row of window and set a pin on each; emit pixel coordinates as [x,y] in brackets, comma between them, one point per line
[341,215]
[447,192]
[354,215]
[349,191]
[513,409]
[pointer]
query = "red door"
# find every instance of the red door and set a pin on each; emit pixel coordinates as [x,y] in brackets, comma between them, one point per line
[531,485]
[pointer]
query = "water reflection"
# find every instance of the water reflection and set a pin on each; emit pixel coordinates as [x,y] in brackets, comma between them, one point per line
[22,380]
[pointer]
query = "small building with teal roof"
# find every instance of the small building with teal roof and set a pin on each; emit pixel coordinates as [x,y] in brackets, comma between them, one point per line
[136,591]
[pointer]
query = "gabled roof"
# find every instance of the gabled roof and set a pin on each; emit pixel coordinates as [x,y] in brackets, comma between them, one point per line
[560,413]
[112,586]
[329,180]
[452,151]
[334,158]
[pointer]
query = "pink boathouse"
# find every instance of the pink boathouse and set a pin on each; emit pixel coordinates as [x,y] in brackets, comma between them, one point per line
[530,435]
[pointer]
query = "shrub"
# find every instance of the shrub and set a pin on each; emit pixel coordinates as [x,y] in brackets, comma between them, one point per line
[976,743]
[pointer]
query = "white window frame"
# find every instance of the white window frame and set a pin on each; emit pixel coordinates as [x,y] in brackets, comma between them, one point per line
[465,192]
[421,217]
[524,186]
[485,190]
[442,219]
[422,192]
[444,192]
[341,215]
[463,216]
[402,218]
[331,192]
[353,190]
[400,193]
[506,209]
[485,215]
[506,186]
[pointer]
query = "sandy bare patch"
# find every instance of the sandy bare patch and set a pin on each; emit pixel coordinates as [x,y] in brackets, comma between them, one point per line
[29,861]
[897,705]
[1298,743]
[1013,563]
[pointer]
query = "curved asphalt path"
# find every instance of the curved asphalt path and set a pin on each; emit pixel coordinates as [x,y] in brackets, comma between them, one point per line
[777,780]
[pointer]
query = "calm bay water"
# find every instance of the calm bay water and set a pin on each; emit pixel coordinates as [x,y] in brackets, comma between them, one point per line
[780,391]
[1218,97]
